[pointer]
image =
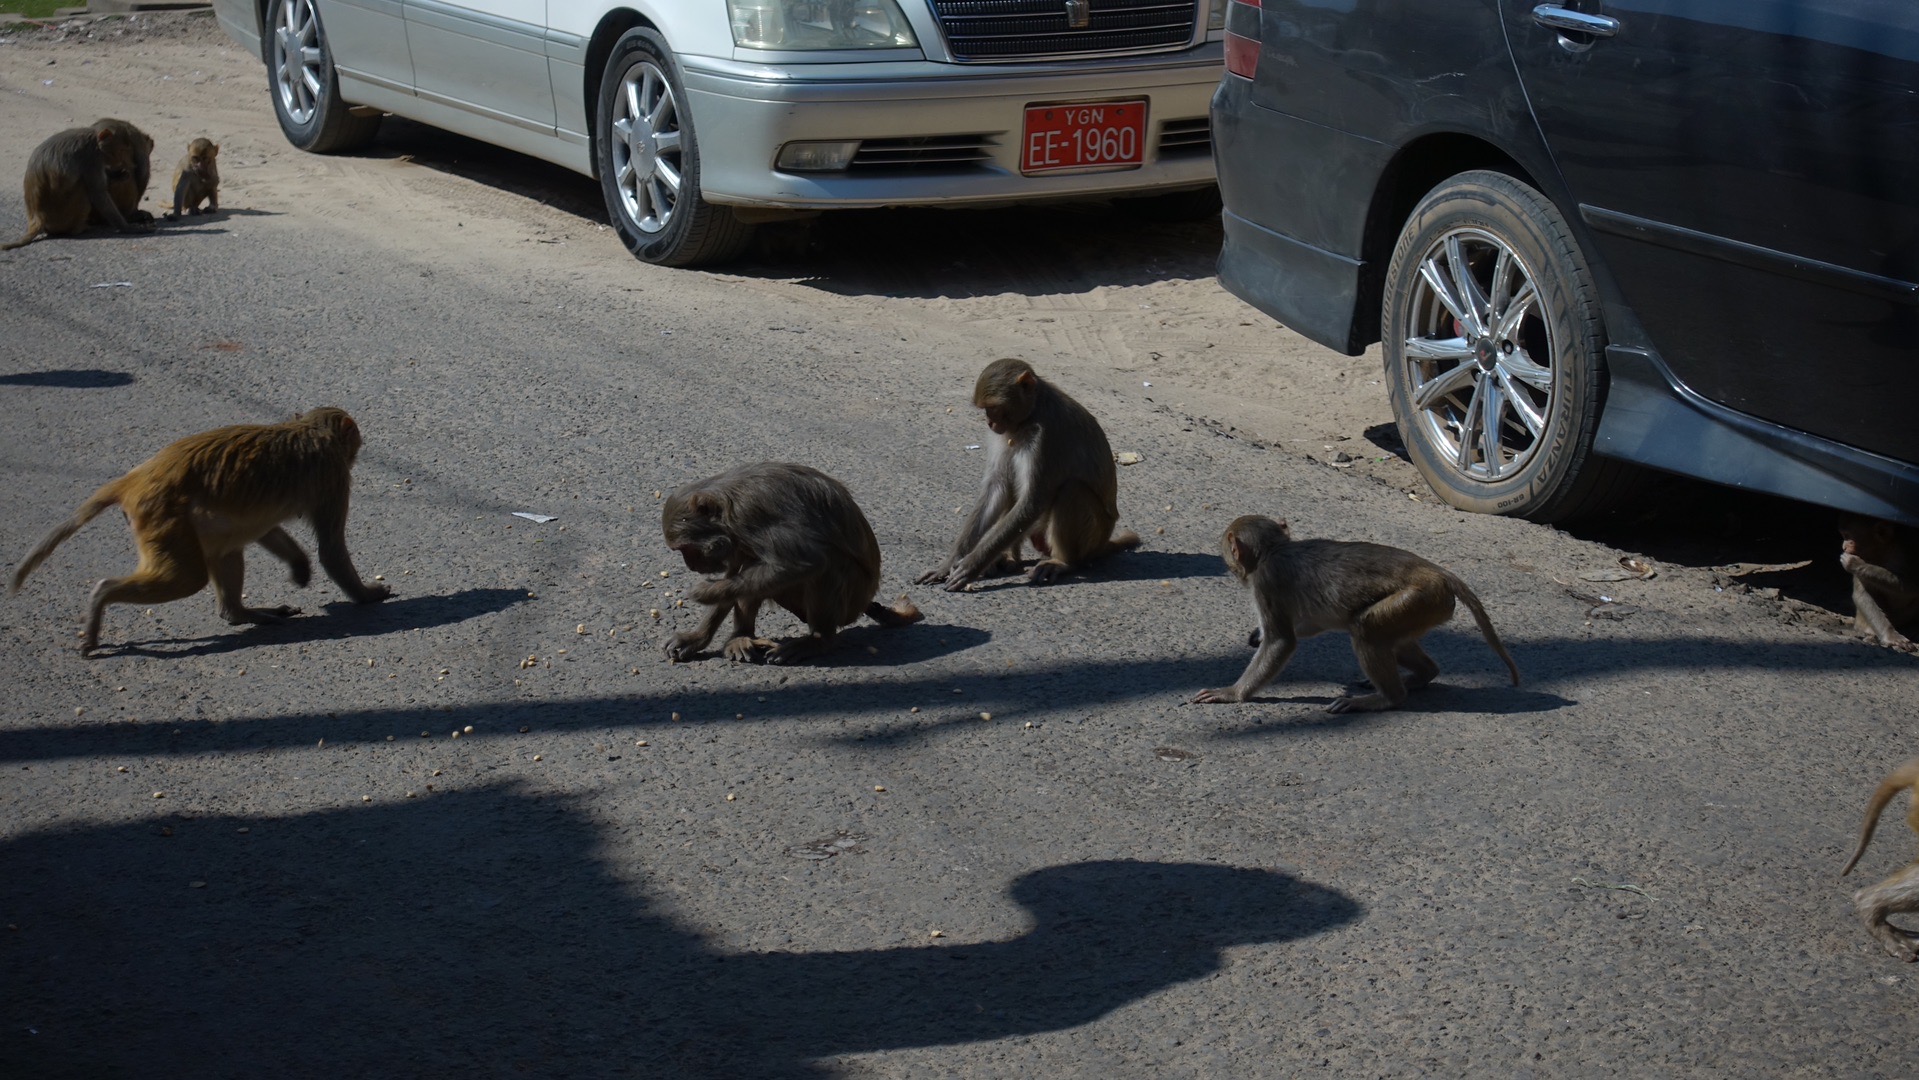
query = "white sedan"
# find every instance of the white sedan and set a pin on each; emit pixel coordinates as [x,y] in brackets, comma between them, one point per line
[702,117]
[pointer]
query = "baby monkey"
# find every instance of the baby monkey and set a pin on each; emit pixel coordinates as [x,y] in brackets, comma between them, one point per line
[1883,560]
[1899,893]
[1050,478]
[1383,596]
[196,179]
[786,533]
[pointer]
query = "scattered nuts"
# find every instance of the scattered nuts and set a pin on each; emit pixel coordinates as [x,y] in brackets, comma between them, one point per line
[538,757]
[879,787]
[366,798]
[729,796]
[122,768]
[986,716]
[468,729]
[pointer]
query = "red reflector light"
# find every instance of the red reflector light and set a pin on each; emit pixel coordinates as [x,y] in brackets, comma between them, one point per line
[1242,56]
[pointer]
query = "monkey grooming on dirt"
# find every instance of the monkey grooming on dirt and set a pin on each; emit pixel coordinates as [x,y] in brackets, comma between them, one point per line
[1899,893]
[127,187]
[1050,478]
[786,533]
[1383,596]
[196,179]
[66,183]
[1883,560]
[196,505]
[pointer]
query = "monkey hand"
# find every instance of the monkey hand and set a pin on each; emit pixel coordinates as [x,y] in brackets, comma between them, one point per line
[373,594]
[1223,696]
[937,574]
[1850,561]
[684,647]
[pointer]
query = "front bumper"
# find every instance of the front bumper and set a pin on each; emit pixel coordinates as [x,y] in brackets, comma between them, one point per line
[743,113]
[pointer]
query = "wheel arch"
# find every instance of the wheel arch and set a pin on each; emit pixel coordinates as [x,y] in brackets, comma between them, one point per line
[1415,170]
[613,26]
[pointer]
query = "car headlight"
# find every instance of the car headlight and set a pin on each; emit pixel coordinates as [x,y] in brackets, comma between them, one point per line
[820,24]
[1216,15]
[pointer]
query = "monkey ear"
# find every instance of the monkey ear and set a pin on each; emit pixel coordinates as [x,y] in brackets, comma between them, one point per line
[1027,379]
[103,136]
[1242,554]
[704,504]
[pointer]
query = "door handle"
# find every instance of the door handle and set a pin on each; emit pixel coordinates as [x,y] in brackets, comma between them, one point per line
[1567,21]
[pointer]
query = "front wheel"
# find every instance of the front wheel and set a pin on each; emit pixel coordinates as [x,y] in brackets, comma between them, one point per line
[1495,353]
[649,162]
[305,87]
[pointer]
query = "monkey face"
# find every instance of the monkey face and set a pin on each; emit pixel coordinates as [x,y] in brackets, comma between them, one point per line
[693,528]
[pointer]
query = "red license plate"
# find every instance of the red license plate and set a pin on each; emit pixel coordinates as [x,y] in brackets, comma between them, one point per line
[1086,135]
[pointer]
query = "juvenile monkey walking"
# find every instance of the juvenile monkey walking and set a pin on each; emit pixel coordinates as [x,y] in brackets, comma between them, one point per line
[1050,478]
[1385,597]
[196,505]
[1883,560]
[67,181]
[1899,893]
[786,533]
[196,179]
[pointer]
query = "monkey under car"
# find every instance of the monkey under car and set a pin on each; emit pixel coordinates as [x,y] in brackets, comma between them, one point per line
[1595,235]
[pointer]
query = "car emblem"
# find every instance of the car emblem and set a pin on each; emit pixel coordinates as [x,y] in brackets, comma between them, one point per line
[1079,14]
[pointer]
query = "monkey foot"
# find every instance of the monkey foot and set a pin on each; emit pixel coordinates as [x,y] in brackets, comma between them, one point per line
[1362,703]
[260,614]
[748,649]
[795,650]
[1215,697]
[1044,573]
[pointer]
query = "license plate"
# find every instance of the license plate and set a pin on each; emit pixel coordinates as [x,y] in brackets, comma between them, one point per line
[1086,135]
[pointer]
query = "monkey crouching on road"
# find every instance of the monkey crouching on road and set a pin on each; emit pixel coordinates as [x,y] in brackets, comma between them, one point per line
[196,179]
[785,533]
[196,505]
[67,183]
[1050,478]
[1883,560]
[1385,597]
[1899,893]
[126,187]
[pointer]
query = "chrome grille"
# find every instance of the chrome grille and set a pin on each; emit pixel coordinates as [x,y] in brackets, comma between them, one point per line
[1180,138]
[984,30]
[932,153]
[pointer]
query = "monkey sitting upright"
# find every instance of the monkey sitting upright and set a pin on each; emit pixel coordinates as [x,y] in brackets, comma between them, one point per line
[128,186]
[1899,893]
[67,179]
[196,505]
[786,533]
[196,179]
[1883,560]
[1050,478]
[1383,596]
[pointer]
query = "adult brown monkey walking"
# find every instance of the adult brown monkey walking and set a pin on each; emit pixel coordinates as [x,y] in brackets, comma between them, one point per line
[1385,597]
[67,180]
[1899,893]
[196,505]
[1050,478]
[786,533]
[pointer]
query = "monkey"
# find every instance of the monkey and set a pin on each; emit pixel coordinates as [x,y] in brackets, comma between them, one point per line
[781,532]
[197,504]
[1385,597]
[1050,478]
[196,179]
[1883,560]
[128,186]
[66,183]
[1899,893]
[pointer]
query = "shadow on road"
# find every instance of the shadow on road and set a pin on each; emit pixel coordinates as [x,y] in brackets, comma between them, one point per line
[69,378]
[479,934]
[337,620]
[1471,681]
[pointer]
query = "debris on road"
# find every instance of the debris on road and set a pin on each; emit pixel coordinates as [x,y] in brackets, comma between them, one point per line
[1743,569]
[538,519]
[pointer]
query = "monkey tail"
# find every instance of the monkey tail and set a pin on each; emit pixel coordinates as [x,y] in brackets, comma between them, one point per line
[33,233]
[1902,778]
[92,508]
[902,613]
[1485,624]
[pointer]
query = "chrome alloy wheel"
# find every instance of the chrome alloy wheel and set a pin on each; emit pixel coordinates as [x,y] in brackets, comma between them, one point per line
[1479,354]
[299,63]
[647,161]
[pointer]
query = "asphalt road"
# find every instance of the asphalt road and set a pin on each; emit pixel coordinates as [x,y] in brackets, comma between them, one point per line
[993,844]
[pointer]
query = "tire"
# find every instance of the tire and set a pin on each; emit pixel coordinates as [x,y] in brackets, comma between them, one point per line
[1531,357]
[649,163]
[1199,204]
[305,88]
